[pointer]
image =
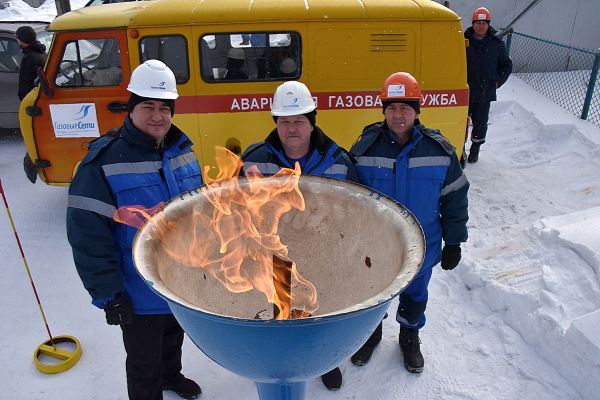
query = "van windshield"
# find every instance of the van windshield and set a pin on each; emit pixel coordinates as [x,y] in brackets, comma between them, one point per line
[250,56]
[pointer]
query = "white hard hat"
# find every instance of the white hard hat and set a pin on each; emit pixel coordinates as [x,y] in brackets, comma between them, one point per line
[236,53]
[292,98]
[288,66]
[153,79]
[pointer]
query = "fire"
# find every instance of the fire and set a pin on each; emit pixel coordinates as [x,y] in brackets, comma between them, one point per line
[245,224]
[135,215]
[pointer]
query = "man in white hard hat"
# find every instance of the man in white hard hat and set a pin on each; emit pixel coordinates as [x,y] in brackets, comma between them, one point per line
[298,139]
[488,67]
[146,161]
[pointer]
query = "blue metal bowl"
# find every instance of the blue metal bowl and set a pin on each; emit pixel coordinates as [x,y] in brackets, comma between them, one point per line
[358,247]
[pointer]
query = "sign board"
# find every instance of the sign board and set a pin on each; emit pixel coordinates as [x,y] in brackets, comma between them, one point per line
[74,120]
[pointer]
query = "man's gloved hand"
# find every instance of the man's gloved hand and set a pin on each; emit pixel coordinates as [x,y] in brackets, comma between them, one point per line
[450,256]
[119,311]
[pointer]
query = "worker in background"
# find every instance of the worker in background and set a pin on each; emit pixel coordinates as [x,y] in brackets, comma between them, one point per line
[488,67]
[236,58]
[34,57]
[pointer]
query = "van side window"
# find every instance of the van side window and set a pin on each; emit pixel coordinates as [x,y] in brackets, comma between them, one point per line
[89,62]
[10,56]
[172,50]
[250,56]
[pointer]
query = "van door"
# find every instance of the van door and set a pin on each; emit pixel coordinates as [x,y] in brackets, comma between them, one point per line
[87,74]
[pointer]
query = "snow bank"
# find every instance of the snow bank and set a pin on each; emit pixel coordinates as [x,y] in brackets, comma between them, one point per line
[579,231]
[539,270]
[18,10]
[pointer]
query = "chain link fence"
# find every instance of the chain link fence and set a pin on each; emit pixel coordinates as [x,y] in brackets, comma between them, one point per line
[565,74]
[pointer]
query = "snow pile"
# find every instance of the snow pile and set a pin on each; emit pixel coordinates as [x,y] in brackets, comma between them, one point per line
[534,251]
[519,318]
[18,10]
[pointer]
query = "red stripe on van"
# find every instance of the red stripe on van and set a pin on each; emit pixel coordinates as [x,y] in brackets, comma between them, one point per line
[325,101]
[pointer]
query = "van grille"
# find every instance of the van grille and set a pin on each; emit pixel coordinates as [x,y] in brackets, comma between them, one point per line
[385,42]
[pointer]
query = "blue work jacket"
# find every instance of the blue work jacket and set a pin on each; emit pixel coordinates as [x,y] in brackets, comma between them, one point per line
[424,175]
[123,168]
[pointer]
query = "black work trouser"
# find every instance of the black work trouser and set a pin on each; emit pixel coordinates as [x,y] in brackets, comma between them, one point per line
[153,345]
[479,113]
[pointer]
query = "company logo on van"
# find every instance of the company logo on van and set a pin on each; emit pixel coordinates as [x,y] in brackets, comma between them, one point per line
[74,120]
[83,111]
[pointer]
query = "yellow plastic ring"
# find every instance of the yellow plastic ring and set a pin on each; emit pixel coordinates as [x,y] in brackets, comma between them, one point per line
[69,358]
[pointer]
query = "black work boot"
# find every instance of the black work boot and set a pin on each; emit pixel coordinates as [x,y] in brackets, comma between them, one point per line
[474,153]
[363,355]
[184,387]
[410,345]
[333,379]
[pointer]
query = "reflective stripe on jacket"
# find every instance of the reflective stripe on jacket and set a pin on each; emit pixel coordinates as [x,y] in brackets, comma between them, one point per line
[424,175]
[123,170]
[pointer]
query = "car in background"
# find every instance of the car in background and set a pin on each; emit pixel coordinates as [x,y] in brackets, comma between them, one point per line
[10,62]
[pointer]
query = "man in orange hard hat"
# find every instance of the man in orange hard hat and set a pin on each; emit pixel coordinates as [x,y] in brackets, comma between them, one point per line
[419,168]
[488,67]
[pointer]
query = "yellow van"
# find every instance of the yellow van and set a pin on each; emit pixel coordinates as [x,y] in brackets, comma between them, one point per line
[228,57]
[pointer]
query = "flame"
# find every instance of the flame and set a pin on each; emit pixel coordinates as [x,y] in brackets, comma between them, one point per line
[135,215]
[245,224]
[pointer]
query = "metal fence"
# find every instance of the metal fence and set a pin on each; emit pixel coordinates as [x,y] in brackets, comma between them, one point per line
[565,74]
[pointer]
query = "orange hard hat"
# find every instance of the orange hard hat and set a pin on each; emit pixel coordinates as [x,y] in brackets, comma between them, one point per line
[400,86]
[482,14]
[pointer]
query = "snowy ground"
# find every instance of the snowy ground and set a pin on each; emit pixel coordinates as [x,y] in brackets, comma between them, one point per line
[519,318]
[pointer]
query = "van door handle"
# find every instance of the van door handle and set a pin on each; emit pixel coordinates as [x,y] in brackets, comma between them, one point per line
[117,107]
